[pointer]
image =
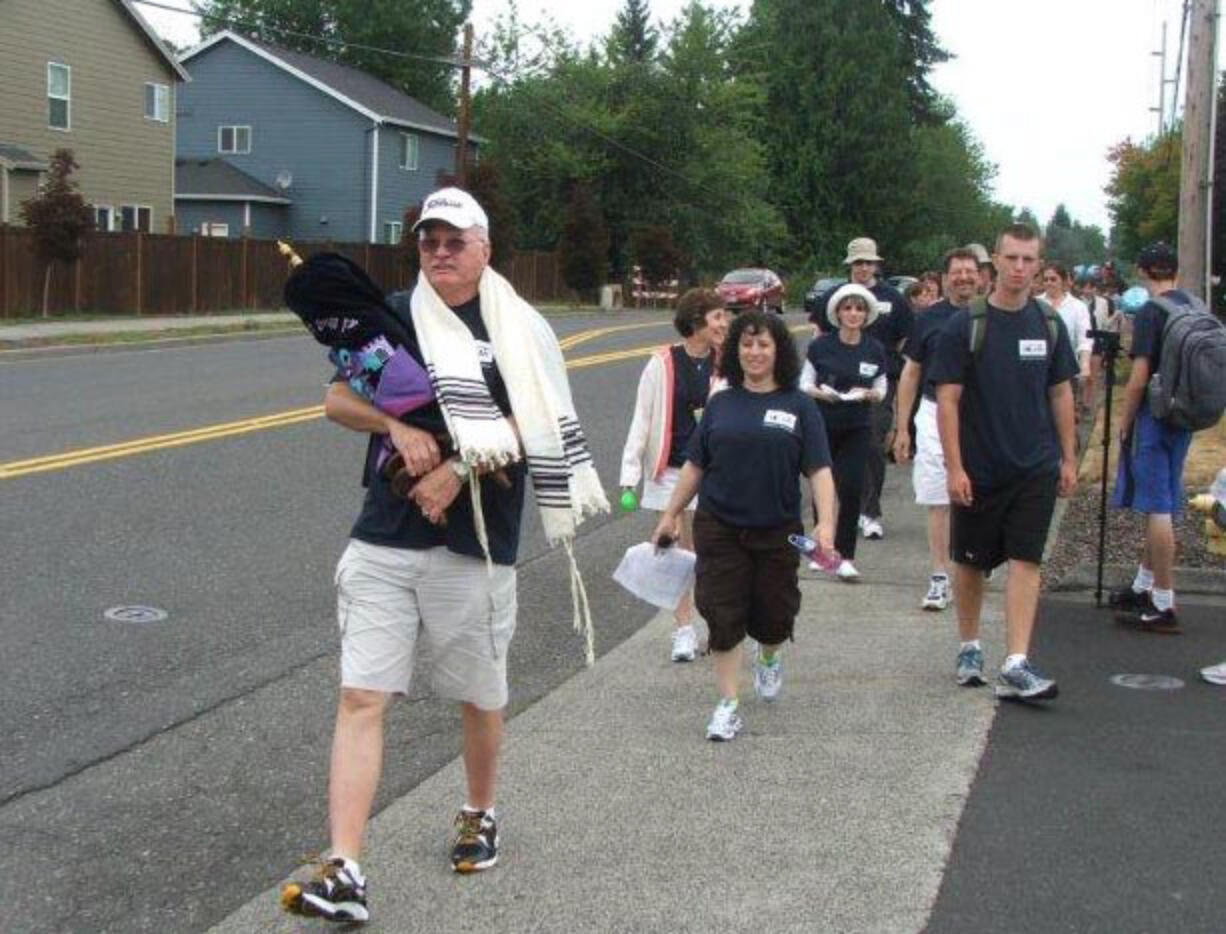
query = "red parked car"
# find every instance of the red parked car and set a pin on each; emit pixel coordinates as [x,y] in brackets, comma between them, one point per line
[752,288]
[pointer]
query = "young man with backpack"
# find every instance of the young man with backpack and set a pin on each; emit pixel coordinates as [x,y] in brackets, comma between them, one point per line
[1175,388]
[1002,371]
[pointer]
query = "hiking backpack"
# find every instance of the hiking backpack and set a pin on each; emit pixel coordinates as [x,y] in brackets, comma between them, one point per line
[1188,386]
[979,325]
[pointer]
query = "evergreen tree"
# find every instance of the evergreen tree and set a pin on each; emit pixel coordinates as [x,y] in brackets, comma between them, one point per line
[922,51]
[633,38]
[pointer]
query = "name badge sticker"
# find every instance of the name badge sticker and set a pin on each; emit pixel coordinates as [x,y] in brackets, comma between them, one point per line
[884,308]
[869,369]
[776,418]
[1032,350]
[485,353]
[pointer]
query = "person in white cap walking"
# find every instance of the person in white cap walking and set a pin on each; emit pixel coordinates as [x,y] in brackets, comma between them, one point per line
[437,564]
[891,328]
[845,371]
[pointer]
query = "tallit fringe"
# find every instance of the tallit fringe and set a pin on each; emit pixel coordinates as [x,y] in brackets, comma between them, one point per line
[583,611]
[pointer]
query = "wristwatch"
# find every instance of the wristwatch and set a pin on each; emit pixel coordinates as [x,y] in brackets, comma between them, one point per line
[460,468]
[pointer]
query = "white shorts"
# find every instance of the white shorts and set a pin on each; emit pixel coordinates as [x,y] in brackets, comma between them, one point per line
[387,597]
[657,492]
[928,473]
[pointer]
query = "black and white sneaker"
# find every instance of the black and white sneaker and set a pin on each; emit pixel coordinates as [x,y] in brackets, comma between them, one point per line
[1152,619]
[476,842]
[336,893]
[1127,600]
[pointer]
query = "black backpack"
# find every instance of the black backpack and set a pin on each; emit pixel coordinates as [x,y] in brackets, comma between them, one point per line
[1188,389]
[979,325]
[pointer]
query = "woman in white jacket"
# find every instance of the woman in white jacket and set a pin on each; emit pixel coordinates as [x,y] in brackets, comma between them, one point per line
[672,393]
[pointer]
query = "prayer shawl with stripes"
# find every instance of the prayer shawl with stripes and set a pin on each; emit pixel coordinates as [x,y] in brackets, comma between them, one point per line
[526,351]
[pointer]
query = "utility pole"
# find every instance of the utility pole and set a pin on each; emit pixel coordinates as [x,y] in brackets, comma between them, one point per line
[466,67]
[1196,169]
[1160,110]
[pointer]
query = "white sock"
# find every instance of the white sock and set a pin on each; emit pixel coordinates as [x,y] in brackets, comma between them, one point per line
[488,812]
[1144,580]
[1012,662]
[971,644]
[729,702]
[1163,599]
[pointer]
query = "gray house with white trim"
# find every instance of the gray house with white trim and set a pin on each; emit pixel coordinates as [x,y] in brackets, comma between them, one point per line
[277,143]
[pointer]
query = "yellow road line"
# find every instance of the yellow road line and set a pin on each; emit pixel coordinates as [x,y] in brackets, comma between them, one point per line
[583,336]
[176,439]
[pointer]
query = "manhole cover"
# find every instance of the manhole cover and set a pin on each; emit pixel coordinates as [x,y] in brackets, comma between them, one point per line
[135,614]
[1147,682]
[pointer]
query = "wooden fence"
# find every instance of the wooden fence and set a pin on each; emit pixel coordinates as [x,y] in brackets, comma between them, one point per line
[167,274]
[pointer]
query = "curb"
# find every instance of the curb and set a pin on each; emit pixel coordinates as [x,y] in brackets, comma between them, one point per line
[1083,577]
[162,343]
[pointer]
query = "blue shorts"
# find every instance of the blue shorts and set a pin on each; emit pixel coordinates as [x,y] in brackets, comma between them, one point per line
[1150,474]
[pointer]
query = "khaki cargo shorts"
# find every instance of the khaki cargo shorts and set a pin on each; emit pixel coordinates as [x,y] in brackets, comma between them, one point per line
[390,599]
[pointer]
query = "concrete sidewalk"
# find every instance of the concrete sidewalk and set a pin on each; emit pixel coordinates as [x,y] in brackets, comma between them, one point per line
[834,810]
[43,332]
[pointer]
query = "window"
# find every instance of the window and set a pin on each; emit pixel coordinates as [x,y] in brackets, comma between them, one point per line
[408,151]
[104,217]
[59,96]
[392,231]
[136,217]
[234,139]
[157,102]
[214,229]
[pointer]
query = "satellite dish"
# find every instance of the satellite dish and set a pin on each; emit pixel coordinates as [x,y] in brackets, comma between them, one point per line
[285,178]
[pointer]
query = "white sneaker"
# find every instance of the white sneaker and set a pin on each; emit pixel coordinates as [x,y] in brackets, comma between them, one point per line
[685,644]
[814,566]
[847,571]
[1215,674]
[861,522]
[725,723]
[767,679]
[937,597]
[873,528]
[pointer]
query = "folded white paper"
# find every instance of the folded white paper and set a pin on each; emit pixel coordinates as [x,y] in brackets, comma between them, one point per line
[660,576]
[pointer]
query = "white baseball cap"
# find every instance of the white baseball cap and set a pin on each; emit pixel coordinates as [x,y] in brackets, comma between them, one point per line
[452,206]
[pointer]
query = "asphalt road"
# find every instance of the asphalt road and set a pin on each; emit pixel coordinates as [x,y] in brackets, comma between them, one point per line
[154,776]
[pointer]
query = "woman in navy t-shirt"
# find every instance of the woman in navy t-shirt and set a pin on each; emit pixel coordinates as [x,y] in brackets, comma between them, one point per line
[755,439]
[845,371]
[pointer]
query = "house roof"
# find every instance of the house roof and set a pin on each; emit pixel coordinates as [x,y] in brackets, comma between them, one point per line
[369,96]
[217,180]
[14,157]
[152,37]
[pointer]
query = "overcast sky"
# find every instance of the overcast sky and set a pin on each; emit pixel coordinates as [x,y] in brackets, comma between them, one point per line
[1047,86]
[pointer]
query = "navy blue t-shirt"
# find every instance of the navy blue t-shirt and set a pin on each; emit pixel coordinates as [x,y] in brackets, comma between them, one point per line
[691,386]
[752,448]
[894,322]
[842,367]
[1148,325]
[387,519]
[1005,422]
[922,343]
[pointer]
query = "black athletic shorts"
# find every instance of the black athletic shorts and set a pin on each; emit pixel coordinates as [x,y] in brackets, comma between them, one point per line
[1005,523]
[745,581]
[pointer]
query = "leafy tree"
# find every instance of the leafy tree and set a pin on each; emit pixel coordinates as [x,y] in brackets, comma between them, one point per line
[1070,242]
[656,253]
[1143,193]
[333,29]
[839,157]
[58,217]
[584,244]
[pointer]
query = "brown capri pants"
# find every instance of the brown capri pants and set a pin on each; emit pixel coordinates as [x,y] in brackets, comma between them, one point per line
[745,581]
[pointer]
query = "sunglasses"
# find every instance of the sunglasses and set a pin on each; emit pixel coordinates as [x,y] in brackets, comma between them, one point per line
[449,245]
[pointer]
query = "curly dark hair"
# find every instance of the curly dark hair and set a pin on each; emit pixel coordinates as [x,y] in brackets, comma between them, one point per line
[787,361]
[692,310]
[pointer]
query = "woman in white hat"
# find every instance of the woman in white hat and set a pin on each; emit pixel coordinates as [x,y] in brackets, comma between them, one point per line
[845,371]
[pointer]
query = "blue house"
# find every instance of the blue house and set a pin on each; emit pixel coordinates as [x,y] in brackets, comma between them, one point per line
[274,143]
